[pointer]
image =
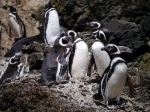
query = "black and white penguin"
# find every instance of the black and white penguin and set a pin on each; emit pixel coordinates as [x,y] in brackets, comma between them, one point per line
[55,64]
[101,58]
[51,25]
[114,78]
[16,24]
[78,60]
[14,69]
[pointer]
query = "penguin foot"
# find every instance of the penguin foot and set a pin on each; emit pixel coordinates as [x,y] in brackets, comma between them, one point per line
[111,107]
[97,80]
[63,82]
[122,103]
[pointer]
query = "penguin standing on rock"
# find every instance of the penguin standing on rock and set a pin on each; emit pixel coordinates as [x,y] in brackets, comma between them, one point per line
[78,60]
[55,64]
[101,58]
[114,77]
[51,25]
[14,69]
[16,24]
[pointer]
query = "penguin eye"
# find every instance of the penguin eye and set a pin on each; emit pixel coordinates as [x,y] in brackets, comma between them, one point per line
[95,25]
[109,47]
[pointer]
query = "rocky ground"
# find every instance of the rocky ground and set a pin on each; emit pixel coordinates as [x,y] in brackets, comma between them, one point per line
[24,94]
[128,22]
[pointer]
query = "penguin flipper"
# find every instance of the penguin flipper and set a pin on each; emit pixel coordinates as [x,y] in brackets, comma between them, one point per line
[16,47]
[103,82]
[130,84]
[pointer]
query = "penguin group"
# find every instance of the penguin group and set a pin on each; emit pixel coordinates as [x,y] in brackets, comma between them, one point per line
[68,54]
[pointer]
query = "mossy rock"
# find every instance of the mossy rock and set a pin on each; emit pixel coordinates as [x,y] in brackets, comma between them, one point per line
[143,62]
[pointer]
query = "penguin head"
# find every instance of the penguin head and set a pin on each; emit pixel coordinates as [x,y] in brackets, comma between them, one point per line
[114,49]
[12,9]
[63,41]
[15,59]
[104,34]
[48,6]
[93,25]
[72,34]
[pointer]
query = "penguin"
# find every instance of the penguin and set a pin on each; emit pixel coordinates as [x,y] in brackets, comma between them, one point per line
[51,25]
[55,64]
[14,69]
[16,24]
[99,57]
[78,60]
[114,78]
[16,47]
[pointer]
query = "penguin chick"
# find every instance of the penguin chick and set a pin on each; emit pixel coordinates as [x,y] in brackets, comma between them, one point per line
[55,64]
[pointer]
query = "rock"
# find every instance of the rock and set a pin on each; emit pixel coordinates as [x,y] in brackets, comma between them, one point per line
[29,96]
[77,12]
[80,24]
[35,60]
[143,62]
[145,24]
[127,34]
[34,47]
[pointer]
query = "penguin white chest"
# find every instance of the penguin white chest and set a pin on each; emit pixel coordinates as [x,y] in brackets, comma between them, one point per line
[101,58]
[80,60]
[116,81]
[53,27]
[15,27]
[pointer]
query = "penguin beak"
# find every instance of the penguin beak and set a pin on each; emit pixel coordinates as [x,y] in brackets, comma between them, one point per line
[65,40]
[104,49]
[89,24]
[18,55]
[125,49]
[70,38]
[4,7]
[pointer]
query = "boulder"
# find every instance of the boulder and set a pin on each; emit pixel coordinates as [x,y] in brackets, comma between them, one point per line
[127,34]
